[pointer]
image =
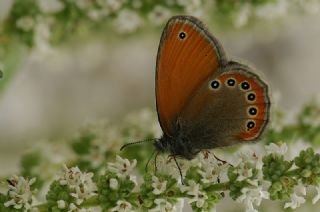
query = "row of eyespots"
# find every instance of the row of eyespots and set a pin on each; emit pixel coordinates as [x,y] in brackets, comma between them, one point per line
[215,84]
[251,97]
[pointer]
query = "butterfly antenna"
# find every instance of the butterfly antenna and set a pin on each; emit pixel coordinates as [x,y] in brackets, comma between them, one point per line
[146,167]
[136,142]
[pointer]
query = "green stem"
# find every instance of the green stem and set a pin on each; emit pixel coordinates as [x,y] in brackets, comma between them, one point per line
[219,186]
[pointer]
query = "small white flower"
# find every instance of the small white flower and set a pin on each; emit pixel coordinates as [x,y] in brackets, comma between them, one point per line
[81,184]
[61,204]
[83,4]
[20,193]
[42,37]
[273,148]
[211,169]
[316,198]
[243,16]
[113,5]
[251,197]
[159,15]
[123,206]
[192,7]
[122,167]
[199,197]
[127,21]
[297,200]
[193,189]
[158,186]
[162,206]
[50,6]
[25,23]
[96,15]
[245,162]
[72,207]
[114,184]
[273,9]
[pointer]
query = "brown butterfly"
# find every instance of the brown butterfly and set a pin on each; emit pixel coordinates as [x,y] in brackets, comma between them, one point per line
[204,100]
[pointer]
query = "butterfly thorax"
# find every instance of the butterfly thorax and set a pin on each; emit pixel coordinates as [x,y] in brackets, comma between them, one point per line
[177,145]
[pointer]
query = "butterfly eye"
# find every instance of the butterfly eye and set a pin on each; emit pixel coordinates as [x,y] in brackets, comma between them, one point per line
[251,97]
[245,85]
[182,35]
[250,125]
[252,111]
[215,84]
[231,82]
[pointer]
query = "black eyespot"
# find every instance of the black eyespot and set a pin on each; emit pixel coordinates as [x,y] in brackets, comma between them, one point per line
[253,111]
[245,85]
[231,82]
[250,124]
[215,84]
[182,35]
[251,97]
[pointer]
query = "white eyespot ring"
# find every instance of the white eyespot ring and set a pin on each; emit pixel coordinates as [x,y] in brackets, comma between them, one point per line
[231,82]
[182,35]
[214,84]
[251,97]
[250,125]
[252,111]
[245,85]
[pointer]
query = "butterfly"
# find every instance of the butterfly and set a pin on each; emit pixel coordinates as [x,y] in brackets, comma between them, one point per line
[204,100]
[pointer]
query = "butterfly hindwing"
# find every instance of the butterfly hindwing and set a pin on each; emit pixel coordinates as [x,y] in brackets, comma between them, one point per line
[227,109]
[188,54]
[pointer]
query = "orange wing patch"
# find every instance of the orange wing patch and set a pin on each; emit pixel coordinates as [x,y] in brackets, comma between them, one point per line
[188,54]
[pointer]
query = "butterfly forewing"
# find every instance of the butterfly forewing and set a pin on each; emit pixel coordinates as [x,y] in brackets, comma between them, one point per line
[187,56]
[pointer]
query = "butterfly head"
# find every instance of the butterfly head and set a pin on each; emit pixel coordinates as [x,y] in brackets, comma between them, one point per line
[176,146]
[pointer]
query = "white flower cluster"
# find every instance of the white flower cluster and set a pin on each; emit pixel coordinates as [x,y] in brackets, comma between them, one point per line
[164,205]
[122,168]
[20,193]
[212,170]
[273,10]
[194,189]
[159,187]
[80,183]
[252,196]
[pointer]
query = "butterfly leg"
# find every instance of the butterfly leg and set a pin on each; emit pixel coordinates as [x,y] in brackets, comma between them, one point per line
[155,163]
[147,165]
[180,171]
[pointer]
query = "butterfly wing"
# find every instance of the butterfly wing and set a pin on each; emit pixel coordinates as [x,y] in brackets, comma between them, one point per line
[188,54]
[227,109]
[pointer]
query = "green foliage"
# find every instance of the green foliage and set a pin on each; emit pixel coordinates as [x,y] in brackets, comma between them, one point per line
[309,166]
[58,192]
[108,196]
[29,162]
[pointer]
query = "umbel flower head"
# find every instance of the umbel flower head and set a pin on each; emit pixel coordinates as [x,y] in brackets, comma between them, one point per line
[20,193]
[80,183]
